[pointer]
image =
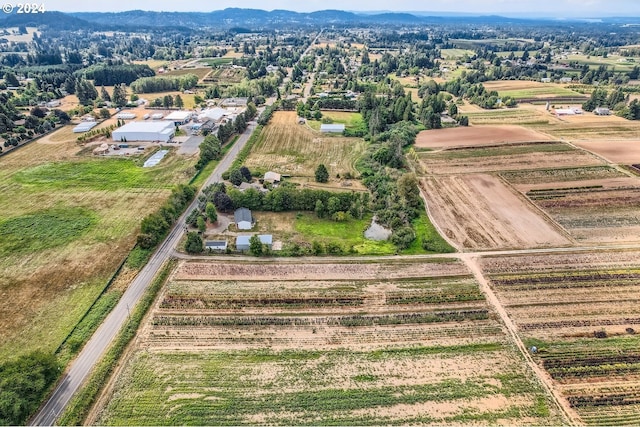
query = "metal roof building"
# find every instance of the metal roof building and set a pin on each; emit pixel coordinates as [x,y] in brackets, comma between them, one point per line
[179,117]
[332,128]
[84,127]
[243,219]
[144,131]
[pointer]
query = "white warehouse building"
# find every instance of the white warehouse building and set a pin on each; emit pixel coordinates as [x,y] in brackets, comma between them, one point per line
[144,131]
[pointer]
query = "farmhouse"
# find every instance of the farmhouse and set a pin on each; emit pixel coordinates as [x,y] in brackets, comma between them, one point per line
[332,128]
[216,245]
[179,117]
[272,177]
[242,242]
[243,219]
[144,131]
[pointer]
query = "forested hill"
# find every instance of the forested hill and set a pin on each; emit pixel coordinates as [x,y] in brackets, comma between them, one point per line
[255,18]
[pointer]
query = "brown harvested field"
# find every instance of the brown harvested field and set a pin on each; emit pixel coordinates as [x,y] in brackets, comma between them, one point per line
[480,212]
[590,127]
[595,204]
[595,215]
[290,148]
[329,271]
[474,136]
[622,152]
[502,85]
[376,344]
[581,311]
[512,157]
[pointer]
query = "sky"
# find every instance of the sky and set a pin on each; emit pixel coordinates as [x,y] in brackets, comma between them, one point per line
[551,8]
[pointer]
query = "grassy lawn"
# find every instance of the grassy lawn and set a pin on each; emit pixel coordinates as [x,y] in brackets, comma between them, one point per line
[346,234]
[68,221]
[549,90]
[428,240]
[455,53]
[216,61]
[611,62]
[352,121]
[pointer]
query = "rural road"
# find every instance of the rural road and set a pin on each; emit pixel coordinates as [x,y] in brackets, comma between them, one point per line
[79,370]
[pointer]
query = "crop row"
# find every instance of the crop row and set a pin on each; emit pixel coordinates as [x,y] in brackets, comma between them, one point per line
[579,323]
[606,370]
[620,399]
[356,320]
[590,360]
[181,302]
[432,298]
[568,277]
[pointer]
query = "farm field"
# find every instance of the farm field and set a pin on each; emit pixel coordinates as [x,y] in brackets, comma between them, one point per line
[523,115]
[401,343]
[589,127]
[580,310]
[68,222]
[478,211]
[595,205]
[523,89]
[621,152]
[505,157]
[473,136]
[292,149]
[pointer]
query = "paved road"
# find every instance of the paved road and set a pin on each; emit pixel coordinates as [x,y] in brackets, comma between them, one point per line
[95,348]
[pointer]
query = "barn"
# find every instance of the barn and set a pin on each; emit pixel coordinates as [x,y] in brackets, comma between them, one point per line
[144,131]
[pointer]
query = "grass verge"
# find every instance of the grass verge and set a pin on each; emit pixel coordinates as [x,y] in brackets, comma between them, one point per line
[81,403]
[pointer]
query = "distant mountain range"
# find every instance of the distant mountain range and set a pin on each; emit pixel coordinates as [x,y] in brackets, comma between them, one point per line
[250,18]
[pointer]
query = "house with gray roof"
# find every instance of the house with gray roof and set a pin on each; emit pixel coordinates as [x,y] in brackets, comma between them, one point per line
[243,219]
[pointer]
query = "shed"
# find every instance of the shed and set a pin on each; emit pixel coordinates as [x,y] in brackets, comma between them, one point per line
[216,245]
[332,128]
[243,219]
[242,243]
[601,111]
[272,177]
[84,127]
[266,239]
[125,116]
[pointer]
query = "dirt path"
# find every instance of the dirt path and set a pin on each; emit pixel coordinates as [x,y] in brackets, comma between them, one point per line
[563,405]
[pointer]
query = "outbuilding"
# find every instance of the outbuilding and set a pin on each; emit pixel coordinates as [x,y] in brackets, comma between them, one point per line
[216,245]
[84,127]
[144,131]
[243,219]
[179,117]
[125,116]
[243,243]
[332,128]
[272,177]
